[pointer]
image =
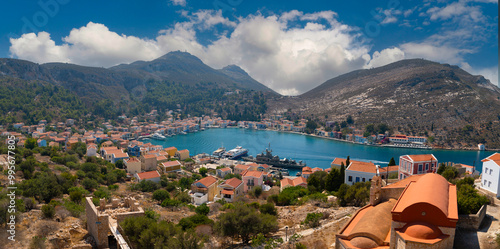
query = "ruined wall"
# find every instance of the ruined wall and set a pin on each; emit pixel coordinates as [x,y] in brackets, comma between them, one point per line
[97,225]
[472,221]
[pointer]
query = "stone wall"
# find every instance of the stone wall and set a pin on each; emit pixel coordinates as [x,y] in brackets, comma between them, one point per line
[97,225]
[472,221]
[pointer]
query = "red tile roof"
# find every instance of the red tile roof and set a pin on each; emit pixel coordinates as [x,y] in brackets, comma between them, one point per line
[422,158]
[225,169]
[233,182]
[171,163]
[252,173]
[362,167]
[207,181]
[148,175]
[132,160]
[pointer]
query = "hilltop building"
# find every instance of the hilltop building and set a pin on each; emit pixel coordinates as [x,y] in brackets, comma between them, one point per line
[416,165]
[204,190]
[490,177]
[417,212]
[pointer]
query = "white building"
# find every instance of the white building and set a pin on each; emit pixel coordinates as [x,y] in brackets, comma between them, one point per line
[490,176]
[360,172]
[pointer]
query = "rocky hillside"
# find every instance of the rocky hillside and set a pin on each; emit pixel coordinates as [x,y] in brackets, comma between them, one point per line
[412,96]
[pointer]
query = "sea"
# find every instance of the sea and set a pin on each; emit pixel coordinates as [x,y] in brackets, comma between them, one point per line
[315,151]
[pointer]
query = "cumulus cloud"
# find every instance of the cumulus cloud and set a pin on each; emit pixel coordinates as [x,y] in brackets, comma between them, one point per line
[291,53]
[288,57]
[386,56]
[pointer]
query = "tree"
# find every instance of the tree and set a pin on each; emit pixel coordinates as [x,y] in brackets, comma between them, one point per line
[316,181]
[245,222]
[342,172]
[30,143]
[48,211]
[160,195]
[203,209]
[392,162]
[347,161]
[119,164]
[257,191]
[203,171]
[333,180]
[268,208]
[312,219]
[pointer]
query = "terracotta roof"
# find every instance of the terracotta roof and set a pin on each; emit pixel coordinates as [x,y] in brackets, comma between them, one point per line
[362,167]
[293,182]
[240,166]
[132,160]
[389,168]
[422,158]
[171,163]
[120,154]
[252,173]
[373,224]
[225,169]
[148,175]
[432,195]
[317,169]
[149,156]
[227,192]
[233,182]
[305,169]
[299,180]
[403,183]
[495,157]
[182,151]
[160,158]
[207,181]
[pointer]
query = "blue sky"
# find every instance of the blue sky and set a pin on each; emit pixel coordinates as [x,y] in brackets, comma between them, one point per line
[290,46]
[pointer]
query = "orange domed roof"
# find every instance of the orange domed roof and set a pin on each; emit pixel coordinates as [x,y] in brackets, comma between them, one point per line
[422,230]
[364,243]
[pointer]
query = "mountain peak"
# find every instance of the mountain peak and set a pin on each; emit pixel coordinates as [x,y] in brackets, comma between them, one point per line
[179,55]
[234,68]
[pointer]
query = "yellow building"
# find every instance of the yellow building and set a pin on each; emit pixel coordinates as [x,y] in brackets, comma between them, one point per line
[171,151]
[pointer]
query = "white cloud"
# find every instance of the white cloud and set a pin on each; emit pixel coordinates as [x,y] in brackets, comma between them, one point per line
[179,2]
[288,58]
[291,53]
[456,9]
[386,56]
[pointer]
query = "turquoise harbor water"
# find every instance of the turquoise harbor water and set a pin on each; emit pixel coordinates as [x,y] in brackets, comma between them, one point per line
[316,152]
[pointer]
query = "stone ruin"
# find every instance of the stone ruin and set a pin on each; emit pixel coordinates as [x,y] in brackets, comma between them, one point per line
[100,220]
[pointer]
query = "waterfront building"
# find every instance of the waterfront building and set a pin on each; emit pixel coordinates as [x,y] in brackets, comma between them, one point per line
[358,171]
[417,212]
[204,190]
[230,189]
[148,162]
[222,172]
[153,176]
[182,154]
[416,164]
[132,165]
[252,178]
[171,151]
[490,176]
[292,182]
[171,166]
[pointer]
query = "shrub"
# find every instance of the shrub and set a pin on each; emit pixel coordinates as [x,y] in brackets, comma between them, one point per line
[257,191]
[194,221]
[48,211]
[203,209]
[160,195]
[268,208]
[312,219]
[300,246]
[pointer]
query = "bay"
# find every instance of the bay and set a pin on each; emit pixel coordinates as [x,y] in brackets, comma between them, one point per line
[315,151]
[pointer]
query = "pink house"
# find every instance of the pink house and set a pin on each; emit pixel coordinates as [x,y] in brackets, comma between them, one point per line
[252,178]
[416,165]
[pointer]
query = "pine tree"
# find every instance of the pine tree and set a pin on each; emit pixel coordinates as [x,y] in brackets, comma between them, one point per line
[392,162]
[342,172]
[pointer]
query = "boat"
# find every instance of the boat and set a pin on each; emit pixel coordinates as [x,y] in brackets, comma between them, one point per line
[219,152]
[298,174]
[158,136]
[235,153]
[268,158]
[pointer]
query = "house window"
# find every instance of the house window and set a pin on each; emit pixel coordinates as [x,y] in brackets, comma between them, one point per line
[484,184]
[489,184]
[363,179]
[426,166]
[491,171]
[357,179]
[486,171]
[350,178]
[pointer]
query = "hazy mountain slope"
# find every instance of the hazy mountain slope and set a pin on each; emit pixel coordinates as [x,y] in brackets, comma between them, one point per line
[239,75]
[182,67]
[415,95]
